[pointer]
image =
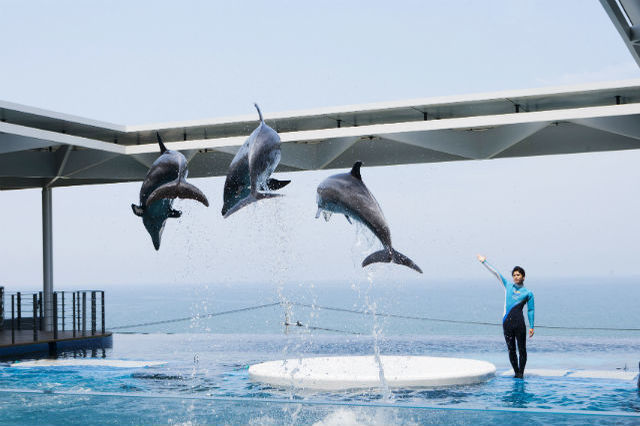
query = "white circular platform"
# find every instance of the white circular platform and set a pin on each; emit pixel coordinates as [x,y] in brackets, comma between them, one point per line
[361,372]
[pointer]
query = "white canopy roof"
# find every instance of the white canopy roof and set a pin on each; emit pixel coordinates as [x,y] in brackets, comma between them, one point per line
[41,148]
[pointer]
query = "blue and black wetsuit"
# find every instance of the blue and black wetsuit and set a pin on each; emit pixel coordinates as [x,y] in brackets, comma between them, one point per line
[513,324]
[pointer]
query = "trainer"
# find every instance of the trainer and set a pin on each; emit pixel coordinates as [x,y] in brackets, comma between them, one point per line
[513,326]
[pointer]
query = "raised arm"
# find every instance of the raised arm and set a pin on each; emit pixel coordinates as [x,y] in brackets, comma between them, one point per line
[482,259]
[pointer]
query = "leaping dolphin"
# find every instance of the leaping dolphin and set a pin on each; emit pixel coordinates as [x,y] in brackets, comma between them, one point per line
[250,170]
[346,194]
[165,180]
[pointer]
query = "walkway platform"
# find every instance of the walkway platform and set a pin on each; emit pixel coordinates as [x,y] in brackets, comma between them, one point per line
[76,322]
[24,343]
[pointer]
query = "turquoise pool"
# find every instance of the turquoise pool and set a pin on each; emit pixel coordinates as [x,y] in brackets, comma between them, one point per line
[204,380]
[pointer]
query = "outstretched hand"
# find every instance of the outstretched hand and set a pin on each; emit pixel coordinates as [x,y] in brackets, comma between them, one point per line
[481,258]
[531,332]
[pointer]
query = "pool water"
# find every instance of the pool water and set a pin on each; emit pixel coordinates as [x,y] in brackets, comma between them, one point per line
[205,380]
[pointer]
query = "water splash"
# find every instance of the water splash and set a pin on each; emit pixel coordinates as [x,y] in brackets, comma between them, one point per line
[364,244]
[377,333]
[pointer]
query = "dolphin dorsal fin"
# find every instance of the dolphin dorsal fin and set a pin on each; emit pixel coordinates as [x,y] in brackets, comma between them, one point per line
[162,147]
[355,170]
[259,112]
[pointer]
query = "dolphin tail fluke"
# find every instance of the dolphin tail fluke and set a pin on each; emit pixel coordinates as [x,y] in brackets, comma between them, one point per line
[387,256]
[177,189]
[275,184]
[252,198]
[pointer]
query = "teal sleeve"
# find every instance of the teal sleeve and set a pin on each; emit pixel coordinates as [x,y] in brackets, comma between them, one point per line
[495,272]
[530,310]
[504,280]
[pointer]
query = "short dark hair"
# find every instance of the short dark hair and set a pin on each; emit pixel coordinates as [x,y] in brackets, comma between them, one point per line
[519,269]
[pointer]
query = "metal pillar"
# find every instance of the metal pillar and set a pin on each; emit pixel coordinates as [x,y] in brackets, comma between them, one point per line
[47,259]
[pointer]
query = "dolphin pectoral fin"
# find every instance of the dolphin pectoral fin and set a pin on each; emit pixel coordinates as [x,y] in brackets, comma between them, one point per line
[275,184]
[137,210]
[318,212]
[390,255]
[327,215]
[177,189]
[175,213]
[348,219]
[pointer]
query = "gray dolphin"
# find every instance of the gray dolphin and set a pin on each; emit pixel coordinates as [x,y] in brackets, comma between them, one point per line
[346,194]
[165,181]
[237,186]
[251,168]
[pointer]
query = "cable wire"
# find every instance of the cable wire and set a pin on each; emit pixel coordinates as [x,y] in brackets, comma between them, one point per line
[211,315]
[356,311]
[382,314]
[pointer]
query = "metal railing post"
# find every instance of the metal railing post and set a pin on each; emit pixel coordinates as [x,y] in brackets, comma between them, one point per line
[62,293]
[78,308]
[102,304]
[13,319]
[55,315]
[73,308]
[41,304]
[93,313]
[1,306]
[84,313]
[35,317]
[19,310]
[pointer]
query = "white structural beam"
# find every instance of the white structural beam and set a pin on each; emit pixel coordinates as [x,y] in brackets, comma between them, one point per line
[55,138]
[392,130]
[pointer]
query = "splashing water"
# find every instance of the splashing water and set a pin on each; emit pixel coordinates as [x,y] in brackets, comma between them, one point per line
[365,241]
[377,332]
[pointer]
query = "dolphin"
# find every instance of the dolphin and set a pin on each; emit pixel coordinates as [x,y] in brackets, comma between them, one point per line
[250,170]
[237,186]
[165,181]
[346,194]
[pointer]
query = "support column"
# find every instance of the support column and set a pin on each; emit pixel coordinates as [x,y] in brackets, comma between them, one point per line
[47,259]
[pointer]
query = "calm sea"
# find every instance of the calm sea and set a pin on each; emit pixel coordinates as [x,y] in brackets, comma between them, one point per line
[414,308]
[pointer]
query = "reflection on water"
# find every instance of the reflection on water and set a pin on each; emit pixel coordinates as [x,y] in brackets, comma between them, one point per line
[518,397]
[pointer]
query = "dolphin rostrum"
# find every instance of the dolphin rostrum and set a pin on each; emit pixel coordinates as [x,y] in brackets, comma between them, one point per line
[250,170]
[165,181]
[346,194]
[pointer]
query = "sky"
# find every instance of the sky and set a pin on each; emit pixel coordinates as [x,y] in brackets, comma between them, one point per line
[143,62]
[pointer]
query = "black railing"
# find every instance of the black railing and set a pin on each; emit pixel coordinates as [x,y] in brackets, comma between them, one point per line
[1,306]
[28,311]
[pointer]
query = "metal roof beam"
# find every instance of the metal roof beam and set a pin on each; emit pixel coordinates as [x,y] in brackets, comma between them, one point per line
[628,126]
[619,20]
[16,143]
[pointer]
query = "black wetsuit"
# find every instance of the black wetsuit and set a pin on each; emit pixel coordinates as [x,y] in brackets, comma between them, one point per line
[515,330]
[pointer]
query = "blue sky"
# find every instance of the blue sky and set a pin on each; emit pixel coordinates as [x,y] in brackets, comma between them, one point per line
[145,62]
